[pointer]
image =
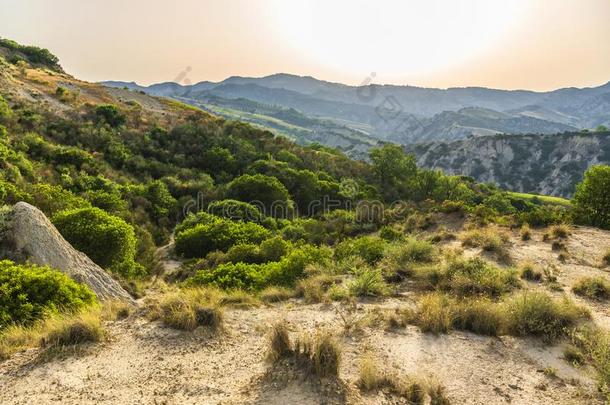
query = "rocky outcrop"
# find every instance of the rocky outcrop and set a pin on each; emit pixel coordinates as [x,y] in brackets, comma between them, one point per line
[541,164]
[29,235]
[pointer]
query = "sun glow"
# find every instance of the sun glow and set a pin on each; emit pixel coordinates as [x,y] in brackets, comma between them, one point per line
[395,38]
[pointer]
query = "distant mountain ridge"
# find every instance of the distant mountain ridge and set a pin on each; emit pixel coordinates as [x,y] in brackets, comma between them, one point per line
[404,114]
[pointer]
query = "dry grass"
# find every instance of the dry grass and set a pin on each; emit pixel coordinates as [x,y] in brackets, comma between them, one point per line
[594,345]
[413,390]
[559,231]
[56,333]
[606,259]
[525,232]
[61,332]
[319,355]
[537,314]
[188,309]
[279,343]
[435,314]
[272,295]
[597,288]
[490,240]
[530,272]
[313,289]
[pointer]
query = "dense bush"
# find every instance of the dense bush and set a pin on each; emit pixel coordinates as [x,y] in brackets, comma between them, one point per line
[29,292]
[110,114]
[370,248]
[257,276]
[262,190]
[107,240]
[218,234]
[592,197]
[236,210]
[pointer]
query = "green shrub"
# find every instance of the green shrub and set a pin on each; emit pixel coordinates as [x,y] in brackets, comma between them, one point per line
[591,196]
[244,253]
[370,248]
[273,249]
[219,234]
[235,210]
[592,287]
[107,240]
[545,215]
[368,283]
[52,199]
[261,189]
[390,233]
[257,276]
[606,259]
[413,251]
[110,114]
[537,314]
[192,220]
[29,292]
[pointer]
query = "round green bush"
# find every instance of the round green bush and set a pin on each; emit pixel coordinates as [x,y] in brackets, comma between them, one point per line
[107,240]
[220,234]
[265,190]
[236,210]
[28,292]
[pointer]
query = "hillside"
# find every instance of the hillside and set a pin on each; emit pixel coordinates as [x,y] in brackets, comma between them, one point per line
[402,114]
[540,164]
[267,272]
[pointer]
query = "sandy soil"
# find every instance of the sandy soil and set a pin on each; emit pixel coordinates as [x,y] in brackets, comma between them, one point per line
[144,362]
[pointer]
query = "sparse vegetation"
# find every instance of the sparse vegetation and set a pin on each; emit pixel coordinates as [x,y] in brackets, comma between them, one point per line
[374,378]
[319,355]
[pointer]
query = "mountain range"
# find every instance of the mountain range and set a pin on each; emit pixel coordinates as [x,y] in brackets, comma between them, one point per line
[354,118]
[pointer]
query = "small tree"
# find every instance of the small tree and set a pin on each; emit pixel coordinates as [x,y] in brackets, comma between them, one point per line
[592,196]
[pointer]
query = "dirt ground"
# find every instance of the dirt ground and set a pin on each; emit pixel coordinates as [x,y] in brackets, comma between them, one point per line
[145,362]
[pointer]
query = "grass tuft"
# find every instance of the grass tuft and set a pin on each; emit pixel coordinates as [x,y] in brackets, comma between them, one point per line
[273,294]
[597,288]
[530,273]
[188,309]
[368,283]
[537,314]
[525,232]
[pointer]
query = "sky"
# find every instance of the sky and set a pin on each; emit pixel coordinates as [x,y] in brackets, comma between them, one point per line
[508,44]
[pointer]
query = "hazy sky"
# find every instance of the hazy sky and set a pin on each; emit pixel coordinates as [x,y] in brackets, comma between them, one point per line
[533,44]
